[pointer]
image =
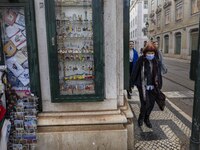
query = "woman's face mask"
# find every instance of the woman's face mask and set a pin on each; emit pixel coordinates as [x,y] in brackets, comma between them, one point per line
[150,55]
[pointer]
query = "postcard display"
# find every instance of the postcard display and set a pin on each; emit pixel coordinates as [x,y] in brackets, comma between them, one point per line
[21,107]
[15,48]
[75,46]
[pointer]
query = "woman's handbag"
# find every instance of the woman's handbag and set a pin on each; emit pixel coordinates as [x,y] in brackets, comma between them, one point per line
[159,98]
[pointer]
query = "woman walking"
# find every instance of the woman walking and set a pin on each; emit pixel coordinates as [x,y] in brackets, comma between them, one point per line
[147,77]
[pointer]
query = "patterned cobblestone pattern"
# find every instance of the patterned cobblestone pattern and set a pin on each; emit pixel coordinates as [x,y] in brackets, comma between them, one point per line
[171,131]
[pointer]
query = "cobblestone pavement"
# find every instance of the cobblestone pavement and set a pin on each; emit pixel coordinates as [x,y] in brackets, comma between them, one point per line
[171,127]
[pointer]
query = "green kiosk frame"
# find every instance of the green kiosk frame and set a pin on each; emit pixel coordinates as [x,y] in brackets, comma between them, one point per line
[82,47]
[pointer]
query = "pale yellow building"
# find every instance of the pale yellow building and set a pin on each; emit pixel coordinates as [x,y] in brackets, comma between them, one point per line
[174,23]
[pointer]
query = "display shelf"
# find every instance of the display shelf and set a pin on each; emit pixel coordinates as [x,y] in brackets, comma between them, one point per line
[78,61]
[85,79]
[85,53]
[75,21]
[88,53]
[67,80]
[74,38]
[73,5]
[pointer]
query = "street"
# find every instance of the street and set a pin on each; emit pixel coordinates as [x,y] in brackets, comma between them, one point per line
[178,75]
[177,86]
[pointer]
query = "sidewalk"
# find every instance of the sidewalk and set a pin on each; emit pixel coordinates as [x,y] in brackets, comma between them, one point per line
[171,128]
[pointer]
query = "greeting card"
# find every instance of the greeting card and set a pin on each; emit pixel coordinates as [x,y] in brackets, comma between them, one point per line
[20,57]
[10,17]
[9,48]
[24,77]
[11,30]
[14,67]
[20,20]
[19,40]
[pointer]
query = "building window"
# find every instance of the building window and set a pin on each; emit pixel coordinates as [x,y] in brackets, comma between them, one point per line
[193,40]
[133,34]
[178,43]
[136,32]
[145,17]
[159,2]
[152,4]
[145,33]
[167,16]
[166,43]
[158,20]
[194,8]
[158,40]
[131,24]
[145,4]
[179,10]
[135,19]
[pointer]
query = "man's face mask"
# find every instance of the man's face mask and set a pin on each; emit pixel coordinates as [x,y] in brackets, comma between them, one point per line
[150,55]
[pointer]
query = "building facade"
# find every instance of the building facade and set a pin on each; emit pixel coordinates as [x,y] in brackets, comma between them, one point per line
[138,19]
[174,23]
[74,52]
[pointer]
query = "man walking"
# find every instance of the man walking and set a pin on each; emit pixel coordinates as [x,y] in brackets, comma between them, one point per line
[133,57]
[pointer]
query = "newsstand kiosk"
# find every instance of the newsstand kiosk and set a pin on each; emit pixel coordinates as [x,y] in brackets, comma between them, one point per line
[65,60]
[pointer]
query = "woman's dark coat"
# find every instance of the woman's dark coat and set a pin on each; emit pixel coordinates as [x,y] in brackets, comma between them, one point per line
[136,74]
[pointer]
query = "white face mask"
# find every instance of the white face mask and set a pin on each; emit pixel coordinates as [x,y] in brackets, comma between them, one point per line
[150,56]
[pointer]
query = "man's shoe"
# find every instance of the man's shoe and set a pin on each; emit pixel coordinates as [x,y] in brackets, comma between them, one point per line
[148,123]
